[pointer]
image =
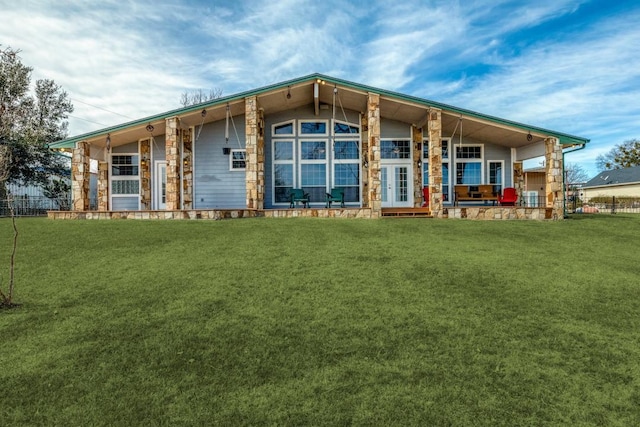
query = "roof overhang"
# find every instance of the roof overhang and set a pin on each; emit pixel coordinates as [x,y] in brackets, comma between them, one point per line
[318,89]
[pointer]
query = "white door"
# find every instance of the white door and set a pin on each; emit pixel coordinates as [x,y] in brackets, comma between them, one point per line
[160,192]
[394,182]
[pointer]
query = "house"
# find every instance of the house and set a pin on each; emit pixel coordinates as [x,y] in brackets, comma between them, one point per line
[616,182]
[242,155]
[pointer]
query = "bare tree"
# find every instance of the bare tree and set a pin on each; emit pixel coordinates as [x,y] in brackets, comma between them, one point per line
[199,96]
[574,174]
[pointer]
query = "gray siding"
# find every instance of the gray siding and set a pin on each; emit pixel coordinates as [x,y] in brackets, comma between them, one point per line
[131,147]
[394,129]
[215,185]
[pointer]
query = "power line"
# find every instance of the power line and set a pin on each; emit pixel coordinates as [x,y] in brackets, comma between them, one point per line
[87,120]
[100,108]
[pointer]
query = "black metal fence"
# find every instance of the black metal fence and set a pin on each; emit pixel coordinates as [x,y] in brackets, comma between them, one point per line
[609,205]
[33,206]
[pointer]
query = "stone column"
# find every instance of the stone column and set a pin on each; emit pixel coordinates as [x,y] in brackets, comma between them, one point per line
[416,134]
[434,128]
[172,138]
[145,174]
[364,137]
[81,175]
[518,179]
[103,186]
[553,169]
[254,145]
[187,169]
[373,126]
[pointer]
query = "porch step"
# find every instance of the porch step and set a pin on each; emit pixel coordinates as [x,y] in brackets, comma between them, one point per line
[407,212]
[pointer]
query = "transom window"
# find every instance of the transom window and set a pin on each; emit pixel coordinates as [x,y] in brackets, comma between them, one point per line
[313,128]
[395,149]
[124,165]
[284,129]
[469,152]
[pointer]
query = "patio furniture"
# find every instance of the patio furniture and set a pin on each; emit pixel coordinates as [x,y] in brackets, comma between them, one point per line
[336,195]
[509,197]
[297,195]
[425,196]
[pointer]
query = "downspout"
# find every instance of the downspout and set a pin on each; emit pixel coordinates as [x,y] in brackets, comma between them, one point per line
[564,184]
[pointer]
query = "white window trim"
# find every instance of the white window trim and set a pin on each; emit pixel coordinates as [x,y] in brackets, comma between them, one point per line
[501,172]
[407,160]
[231,159]
[342,122]
[313,135]
[274,162]
[324,161]
[457,161]
[125,177]
[283,135]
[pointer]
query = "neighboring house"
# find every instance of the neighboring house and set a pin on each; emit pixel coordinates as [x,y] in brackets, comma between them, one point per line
[244,154]
[616,182]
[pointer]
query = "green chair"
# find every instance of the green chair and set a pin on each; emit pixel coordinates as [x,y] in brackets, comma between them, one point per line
[336,195]
[297,195]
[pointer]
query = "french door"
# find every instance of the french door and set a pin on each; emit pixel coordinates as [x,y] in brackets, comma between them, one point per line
[394,183]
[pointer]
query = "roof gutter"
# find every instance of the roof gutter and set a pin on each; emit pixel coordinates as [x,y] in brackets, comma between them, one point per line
[564,184]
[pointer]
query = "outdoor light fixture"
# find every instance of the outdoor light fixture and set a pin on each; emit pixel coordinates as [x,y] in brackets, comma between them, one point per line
[143,159]
[150,128]
[108,142]
[419,163]
[288,92]
[529,137]
[203,113]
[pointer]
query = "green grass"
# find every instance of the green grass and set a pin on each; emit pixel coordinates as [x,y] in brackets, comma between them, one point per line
[323,322]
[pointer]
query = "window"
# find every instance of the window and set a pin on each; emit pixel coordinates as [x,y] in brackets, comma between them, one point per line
[346,168]
[283,179]
[395,149]
[124,175]
[313,128]
[313,169]
[469,164]
[238,160]
[495,175]
[342,128]
[283,129]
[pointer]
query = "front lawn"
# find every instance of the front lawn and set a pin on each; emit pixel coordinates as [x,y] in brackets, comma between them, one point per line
[322,322]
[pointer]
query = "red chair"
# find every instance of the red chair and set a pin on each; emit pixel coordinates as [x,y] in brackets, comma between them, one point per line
[425,197]
[509,197]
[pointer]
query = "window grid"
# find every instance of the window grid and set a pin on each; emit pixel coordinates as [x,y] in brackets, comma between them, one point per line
[238,159]
[395,149]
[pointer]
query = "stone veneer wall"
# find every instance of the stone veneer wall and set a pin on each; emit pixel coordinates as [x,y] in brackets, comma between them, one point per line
[518,179]
[103,186]
[145,174]
[187,169]
[373,133]
[434,128]
[80,175]
[254,145]
[553,166]
[501,213]
[416,134]
[172,137]
[364,137]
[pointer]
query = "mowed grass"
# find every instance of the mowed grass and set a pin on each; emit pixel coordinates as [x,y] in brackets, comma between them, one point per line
[323,322]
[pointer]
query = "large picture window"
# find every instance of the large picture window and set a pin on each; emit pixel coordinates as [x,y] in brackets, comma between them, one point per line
[469,164]
[283,177]
[316,156]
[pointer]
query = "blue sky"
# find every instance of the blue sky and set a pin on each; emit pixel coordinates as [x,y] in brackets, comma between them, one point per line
[570,66]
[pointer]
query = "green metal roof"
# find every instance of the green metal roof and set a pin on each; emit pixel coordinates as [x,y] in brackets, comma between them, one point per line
[565,139]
